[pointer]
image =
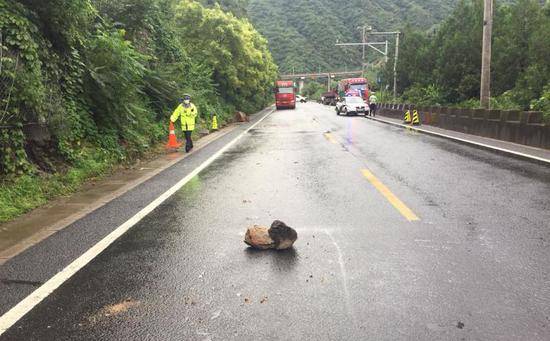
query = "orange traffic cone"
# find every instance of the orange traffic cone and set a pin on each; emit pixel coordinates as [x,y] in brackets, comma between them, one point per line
[172,139]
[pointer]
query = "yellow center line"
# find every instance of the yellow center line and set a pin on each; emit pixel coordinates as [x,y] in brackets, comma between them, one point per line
[394,200]
[329,137]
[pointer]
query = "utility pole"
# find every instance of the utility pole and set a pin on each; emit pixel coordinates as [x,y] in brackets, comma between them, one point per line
[395,65]
[485,95]
[364,42]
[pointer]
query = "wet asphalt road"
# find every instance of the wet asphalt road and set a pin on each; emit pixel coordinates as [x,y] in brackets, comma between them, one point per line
[474,267]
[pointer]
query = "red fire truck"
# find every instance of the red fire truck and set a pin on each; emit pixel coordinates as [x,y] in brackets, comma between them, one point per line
[285,95]
[354,87]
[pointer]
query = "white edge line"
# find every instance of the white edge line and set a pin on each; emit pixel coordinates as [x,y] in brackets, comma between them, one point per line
[22,308]
[486,146]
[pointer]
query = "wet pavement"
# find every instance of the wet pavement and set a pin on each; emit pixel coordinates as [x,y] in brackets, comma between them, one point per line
[473,267]
[39,224]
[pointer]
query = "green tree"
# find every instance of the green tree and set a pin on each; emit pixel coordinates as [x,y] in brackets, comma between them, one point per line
[535,74]
[237,7]
[242,65]
[313,90]
[103,75]
[445,67]
[457,46]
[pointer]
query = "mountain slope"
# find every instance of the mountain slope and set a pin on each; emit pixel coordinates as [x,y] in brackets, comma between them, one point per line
[302,33]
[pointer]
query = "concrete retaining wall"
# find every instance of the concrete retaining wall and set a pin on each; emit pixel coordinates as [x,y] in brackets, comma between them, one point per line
[524,127]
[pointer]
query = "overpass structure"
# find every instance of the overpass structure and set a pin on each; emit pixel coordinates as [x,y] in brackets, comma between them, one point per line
[321,74]
[329,75]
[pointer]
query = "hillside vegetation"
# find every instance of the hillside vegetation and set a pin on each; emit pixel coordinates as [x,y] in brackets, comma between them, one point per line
[444,67]
[302,33]
[86,84]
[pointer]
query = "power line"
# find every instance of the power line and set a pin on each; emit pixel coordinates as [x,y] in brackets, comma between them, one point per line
[367,30]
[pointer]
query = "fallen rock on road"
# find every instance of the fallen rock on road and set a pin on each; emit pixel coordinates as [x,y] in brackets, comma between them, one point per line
[284,236]
[241,117]
[279,236]
[258,237]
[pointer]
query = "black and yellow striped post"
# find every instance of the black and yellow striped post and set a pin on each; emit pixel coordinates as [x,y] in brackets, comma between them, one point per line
[416,118]
[407,118]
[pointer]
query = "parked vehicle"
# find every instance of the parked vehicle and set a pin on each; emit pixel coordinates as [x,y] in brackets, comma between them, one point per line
[285,95]
[301,99]
[351,106]
[354,87]
[329,98]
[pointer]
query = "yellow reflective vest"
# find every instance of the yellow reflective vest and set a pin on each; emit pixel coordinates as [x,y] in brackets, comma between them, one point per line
[187,115]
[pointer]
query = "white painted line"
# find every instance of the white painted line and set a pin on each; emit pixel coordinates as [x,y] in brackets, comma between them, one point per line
[343,275]
[479,144]
[22,308]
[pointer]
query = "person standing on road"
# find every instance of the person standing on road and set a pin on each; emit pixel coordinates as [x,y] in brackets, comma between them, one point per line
[373,100]
[187,112]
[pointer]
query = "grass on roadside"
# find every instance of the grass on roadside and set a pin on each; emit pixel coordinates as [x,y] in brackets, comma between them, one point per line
[27,192]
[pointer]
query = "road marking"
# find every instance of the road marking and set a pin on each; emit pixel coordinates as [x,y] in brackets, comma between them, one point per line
[344,275]
[22,308]
[392,198]
[330,138]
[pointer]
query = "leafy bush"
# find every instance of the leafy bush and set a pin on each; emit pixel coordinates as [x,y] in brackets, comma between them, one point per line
[543,103]
[450,56]
[505,101]
[103,76]
[417,94]
[313,90]
[241,63]
[106,74]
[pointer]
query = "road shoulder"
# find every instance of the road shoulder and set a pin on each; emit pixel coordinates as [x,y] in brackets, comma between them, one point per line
[39,224]
[533,154]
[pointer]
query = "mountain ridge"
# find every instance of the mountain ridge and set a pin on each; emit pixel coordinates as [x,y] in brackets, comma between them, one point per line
[302,33]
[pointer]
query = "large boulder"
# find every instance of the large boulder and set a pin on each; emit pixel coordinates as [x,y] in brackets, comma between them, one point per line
[279,236]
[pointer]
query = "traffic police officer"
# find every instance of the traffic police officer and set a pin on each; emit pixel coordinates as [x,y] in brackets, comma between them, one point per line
[187,112]
[373,104]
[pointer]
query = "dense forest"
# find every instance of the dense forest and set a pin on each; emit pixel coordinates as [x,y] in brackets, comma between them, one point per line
[440,53]
[96,80]
[443,66]
[302,33]
[236,7]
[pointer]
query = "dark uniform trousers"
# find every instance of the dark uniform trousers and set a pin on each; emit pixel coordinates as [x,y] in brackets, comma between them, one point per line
[188,140]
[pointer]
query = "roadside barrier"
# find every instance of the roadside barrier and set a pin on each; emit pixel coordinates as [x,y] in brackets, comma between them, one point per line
[407,118]
[416,118]
[525,127]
